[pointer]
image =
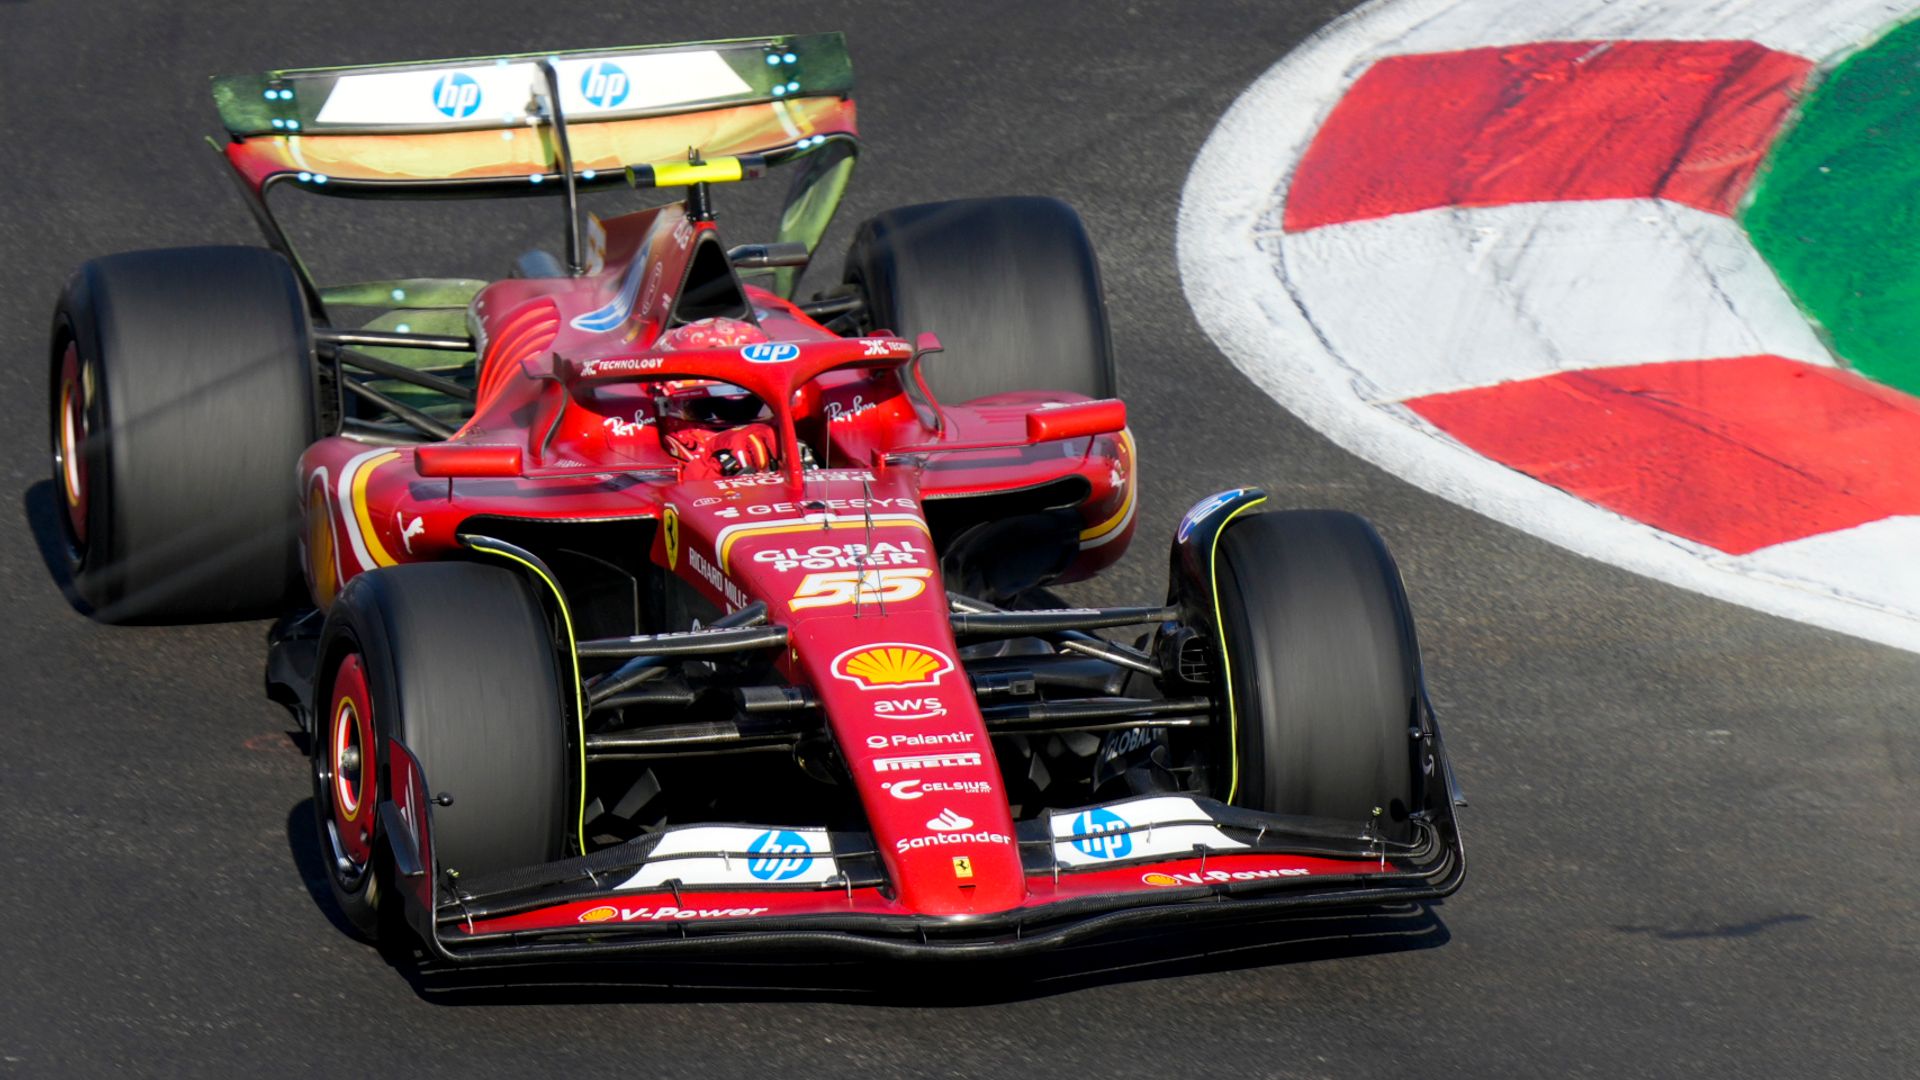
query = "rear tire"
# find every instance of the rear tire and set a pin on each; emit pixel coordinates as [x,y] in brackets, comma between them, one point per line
[458,665]
[182,397]
[1324,671]
[1011,286]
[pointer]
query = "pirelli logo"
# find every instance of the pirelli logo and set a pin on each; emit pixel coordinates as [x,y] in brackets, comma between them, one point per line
[924,761]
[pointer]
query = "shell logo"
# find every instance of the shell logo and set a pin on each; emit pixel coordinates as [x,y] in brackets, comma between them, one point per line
[598,914]
[1162,880]
[890,665]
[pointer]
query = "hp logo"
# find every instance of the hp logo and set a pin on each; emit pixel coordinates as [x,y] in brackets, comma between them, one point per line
[604,85]
[774,856]
[1103,835]
[769,353]
[457,96]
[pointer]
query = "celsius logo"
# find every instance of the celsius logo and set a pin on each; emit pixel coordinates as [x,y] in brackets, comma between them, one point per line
[913,789]
[604,85]
[948,821]
[1102,834]
[774,856]
[766,353]
[456,95]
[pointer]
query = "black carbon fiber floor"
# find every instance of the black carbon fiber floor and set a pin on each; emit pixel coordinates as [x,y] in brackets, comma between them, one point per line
[1691,833]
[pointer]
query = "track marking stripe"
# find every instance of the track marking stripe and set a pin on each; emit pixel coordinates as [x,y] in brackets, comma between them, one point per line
[1685,121]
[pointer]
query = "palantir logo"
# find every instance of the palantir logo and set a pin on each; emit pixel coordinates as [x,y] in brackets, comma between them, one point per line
[604,85]
[774,855]
[1102,834]
[456,95]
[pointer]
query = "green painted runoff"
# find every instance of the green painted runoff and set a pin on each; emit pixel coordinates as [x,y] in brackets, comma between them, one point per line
[1837,209]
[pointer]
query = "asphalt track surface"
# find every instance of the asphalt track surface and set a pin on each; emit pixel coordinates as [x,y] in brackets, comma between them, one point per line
[1690,841]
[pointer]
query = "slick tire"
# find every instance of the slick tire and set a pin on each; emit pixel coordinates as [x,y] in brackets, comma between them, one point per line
[182,395]
[1010,285]
[1324,671]
[455,661]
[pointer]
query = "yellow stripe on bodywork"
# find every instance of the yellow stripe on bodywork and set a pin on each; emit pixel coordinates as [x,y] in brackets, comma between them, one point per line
[1120,516]
[360,516]
[1226,662]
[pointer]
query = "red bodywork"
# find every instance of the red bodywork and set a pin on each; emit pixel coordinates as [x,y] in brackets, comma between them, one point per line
[565,430]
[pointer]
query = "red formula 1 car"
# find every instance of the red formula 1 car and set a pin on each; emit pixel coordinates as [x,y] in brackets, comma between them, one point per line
[632,606]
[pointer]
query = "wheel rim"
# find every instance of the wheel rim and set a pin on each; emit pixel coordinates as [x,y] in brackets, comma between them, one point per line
[69,446]
[347,773]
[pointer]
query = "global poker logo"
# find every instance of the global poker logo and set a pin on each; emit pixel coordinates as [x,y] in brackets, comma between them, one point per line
[456,95]
[779,855]
[604,85]
[1102,834]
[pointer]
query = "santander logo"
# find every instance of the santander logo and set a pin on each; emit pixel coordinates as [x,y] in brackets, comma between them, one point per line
[948,821]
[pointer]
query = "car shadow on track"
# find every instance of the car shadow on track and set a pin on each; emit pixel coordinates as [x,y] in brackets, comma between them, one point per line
[1221,948]
[943,984]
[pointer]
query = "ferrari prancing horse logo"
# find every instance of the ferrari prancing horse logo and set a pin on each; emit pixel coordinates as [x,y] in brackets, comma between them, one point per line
[670,534]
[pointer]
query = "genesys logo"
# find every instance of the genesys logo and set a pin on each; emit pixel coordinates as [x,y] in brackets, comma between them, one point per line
[817,506]
[1102,834]
[769,353]
[889,742]
[841,556]
[1216,877]
[610,913]
[779,855]
[925,761]
[914,789]
[914,843]
[911,708]
[890,665]
[948,821]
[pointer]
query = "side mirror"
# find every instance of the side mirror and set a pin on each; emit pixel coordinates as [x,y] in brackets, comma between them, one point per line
[463,460]
[1078,420]
[925,343]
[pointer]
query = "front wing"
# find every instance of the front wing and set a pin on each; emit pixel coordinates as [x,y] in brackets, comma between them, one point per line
[1091,872]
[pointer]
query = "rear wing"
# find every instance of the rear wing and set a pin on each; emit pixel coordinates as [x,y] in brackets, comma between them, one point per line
[550,123]
[445,126]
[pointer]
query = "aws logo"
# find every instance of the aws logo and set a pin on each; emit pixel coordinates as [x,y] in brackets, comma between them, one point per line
[890,665]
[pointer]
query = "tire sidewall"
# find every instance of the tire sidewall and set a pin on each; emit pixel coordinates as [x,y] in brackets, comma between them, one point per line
[1282,749]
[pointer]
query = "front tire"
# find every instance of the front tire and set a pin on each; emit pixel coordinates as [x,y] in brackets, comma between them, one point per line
[182,396]
[1323,669]
[456,662]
